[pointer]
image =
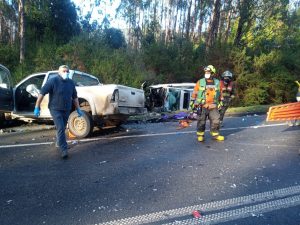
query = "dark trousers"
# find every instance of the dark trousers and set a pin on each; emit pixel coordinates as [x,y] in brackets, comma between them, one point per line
[214,117]
[226,103]
[60,118]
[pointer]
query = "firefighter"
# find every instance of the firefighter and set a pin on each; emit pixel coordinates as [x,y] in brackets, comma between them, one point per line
[227,93]
[206,97]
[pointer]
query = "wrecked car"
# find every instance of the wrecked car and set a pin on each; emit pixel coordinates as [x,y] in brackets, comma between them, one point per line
[102,105]
[168,97]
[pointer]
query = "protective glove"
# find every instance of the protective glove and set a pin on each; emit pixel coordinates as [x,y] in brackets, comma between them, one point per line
[80,113]
[192,104]
[36,111]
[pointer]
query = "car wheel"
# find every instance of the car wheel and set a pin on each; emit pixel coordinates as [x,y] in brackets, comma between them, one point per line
[82,126]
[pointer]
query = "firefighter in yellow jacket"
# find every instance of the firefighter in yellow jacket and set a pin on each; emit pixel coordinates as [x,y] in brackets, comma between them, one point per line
[206,98]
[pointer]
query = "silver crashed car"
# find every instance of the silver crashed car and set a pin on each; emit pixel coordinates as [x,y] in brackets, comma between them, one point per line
[103,105]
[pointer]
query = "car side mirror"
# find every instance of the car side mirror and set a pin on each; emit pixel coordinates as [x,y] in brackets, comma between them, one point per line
[33,90]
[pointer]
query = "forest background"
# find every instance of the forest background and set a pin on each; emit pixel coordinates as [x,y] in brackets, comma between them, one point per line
[165,41]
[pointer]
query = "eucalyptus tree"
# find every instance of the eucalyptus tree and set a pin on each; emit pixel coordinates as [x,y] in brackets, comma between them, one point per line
[8,21]
[212,32]
[22,30]
[245,9]
[50,20]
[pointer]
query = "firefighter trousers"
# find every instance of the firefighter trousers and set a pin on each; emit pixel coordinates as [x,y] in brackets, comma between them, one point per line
[226,103]
[214,117]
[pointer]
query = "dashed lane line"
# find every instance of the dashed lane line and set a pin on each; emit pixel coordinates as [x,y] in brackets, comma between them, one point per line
[241,213]
[248,205]
[266,145]
[138,136]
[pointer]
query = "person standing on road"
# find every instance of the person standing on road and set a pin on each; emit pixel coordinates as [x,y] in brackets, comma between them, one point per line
[206,97]
[227,93]
[62,93]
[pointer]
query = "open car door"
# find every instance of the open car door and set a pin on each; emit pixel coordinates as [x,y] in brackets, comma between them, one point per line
[6,90]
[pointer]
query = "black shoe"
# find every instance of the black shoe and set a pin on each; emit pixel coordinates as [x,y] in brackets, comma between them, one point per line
[64,154]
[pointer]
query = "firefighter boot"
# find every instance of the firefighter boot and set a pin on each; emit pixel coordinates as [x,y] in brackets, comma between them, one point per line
[200,136]
[217,136]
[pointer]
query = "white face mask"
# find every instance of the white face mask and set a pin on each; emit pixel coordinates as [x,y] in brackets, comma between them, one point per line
[65,76]
[207,75]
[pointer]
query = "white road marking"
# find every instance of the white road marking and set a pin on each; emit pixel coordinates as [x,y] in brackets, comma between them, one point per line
[175,133]
[245,206]
[266,145]
[241,213]
[138,135]
[26,145]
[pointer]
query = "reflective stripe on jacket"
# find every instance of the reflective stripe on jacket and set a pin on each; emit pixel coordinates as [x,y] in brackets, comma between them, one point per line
[199,93]
[226,90]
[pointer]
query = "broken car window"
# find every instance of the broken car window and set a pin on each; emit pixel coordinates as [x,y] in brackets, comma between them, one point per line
[4,79]
[84,80]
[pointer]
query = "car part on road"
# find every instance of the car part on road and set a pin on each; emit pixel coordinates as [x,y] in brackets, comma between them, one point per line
[184,123]
[196,214]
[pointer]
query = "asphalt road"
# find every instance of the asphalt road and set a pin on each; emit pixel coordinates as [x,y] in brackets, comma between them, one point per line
[153,174]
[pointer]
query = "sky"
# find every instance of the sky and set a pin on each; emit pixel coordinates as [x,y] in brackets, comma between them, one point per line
[106,6]
[109,7]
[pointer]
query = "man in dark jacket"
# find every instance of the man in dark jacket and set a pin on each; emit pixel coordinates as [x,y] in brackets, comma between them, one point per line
[227,92]
[62,93]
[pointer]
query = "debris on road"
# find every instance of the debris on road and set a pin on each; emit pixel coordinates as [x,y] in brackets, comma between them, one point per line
[196,214]
[233,186]
[184,124]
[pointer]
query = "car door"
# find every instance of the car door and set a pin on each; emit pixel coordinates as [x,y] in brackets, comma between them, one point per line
[6,91]
[24,101]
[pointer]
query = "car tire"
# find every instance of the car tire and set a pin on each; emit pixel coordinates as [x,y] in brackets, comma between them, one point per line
[80,127]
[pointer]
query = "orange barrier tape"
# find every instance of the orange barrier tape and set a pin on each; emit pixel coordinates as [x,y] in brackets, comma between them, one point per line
[290,111]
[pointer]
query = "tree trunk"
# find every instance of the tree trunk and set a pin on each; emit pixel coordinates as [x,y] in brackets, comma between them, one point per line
[214,24]
[188,20]
[228,25]
[22,30]
[180,25]
[175,19]
[245,11]
[183,20]
[201,18]
[193,20]
[168,29]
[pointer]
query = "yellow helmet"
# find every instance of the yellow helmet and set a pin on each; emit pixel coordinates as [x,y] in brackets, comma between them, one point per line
[210,68]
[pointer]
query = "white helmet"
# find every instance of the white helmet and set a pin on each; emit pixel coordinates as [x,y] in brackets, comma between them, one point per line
[227,74]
